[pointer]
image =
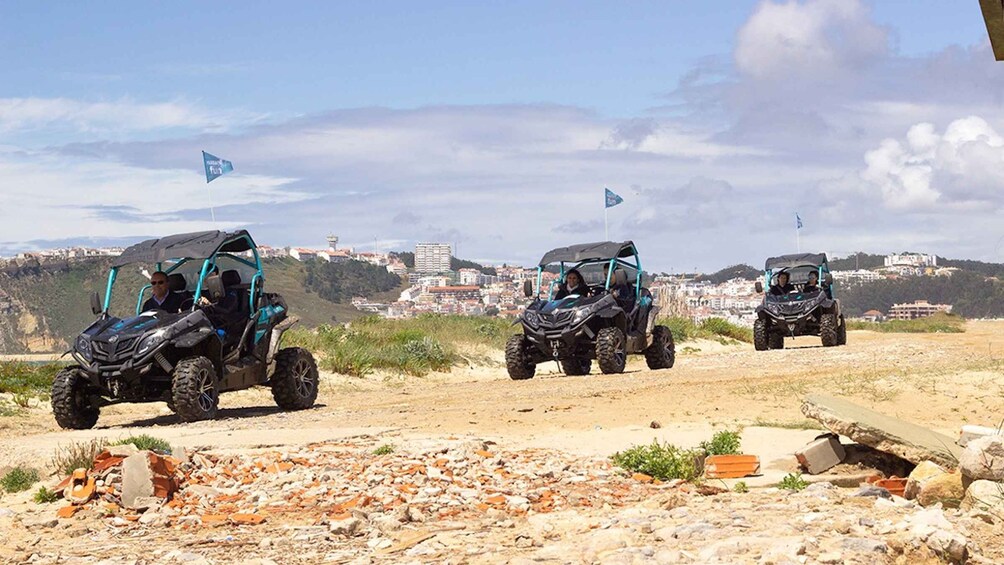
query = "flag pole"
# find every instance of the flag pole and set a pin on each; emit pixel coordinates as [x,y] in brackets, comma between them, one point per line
[212,210]
[606,230]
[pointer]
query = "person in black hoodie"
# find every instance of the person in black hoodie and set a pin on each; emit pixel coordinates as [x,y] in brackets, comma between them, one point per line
[783,286]
[573,285]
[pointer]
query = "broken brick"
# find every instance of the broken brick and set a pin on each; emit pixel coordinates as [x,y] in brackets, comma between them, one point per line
[247,519]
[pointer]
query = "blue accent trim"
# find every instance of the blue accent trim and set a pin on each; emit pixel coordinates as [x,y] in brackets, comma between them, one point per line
[112,274]
[540,278]
[202,276]
[139,299]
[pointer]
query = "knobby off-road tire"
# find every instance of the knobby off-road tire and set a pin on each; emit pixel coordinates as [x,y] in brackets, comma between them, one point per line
[518,359]
[576,366]
[662,353]
[611,350]
[294,383]
[775,340]
[842,332]
[194,389]
[71,405]
[760,342]
[828,329]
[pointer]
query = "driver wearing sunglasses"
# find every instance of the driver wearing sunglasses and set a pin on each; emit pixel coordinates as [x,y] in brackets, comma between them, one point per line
[163,298]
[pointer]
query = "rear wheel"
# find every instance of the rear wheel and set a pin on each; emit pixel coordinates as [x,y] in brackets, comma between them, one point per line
[842,332]
[71,405]
[294,383]
[828,329]
[662,353]
[518,358]
[194,391]
[576,366]
[775,340]
[760,335]
[611,350]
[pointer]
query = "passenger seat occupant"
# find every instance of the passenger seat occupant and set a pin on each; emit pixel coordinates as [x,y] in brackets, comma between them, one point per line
[573,285]
[162,299]
[812,284]
[225,312]
[783,286]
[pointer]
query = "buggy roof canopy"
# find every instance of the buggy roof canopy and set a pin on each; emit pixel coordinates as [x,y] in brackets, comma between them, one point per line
[196,245]
[795,260]
[600,250]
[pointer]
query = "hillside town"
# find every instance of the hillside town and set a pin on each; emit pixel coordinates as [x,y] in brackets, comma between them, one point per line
[434,286]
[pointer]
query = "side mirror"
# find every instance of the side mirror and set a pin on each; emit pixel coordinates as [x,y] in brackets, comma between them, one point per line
[759,287]
[96,304]
[828,279]
[527,288]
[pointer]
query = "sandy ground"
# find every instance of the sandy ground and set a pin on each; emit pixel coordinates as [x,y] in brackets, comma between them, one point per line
[938,380]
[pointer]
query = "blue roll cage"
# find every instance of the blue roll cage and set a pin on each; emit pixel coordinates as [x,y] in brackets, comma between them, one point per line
[613,262]
[207,265]
[820,270]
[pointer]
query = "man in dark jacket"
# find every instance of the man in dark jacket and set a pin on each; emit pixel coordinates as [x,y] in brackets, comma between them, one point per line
[163,298]
[783,286]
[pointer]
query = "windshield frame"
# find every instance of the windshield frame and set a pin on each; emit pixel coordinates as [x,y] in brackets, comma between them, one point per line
[207,266]
[612,262]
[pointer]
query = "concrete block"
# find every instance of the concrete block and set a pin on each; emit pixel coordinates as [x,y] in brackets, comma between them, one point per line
[823,453]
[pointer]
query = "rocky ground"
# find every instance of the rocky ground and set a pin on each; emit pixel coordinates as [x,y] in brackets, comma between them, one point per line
[486,470]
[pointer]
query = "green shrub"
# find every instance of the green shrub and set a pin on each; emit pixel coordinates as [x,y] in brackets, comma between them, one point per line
[724,328]
[19,479]
[415,346]
[684,329]
[385,449]
[793,481]
[661,461]
[724,442]
[145,442]
[77,455]
[27,379]
[741,487]
[45,496]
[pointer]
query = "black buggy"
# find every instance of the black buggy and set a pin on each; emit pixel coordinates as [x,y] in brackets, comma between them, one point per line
[802,311]
[186,359]
[576,329]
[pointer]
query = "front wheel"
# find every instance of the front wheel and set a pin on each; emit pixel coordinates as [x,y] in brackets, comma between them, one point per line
[611,350]
[760,335]
[518,358]
[71,405]
[828,329]
[775,340]
[294,383]
[842,332]
[193,388]
[662,353]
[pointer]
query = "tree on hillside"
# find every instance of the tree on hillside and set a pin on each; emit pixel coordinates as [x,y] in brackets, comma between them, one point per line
[340,282]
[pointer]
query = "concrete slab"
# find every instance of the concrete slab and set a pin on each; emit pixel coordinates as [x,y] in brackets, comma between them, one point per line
[884,433]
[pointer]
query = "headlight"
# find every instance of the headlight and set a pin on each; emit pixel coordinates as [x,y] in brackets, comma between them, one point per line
[83,347]
[531,318]
[581,314]
[149,342]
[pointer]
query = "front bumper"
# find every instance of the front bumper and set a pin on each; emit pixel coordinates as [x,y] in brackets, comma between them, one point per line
[560,341]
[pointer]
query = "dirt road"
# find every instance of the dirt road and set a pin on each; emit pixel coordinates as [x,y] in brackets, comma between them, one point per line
[939,380]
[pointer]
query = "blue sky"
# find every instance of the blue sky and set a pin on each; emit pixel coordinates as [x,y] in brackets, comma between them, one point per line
[496,125]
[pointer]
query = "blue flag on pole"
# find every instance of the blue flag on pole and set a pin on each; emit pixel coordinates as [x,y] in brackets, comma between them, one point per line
[611,198]
[215,167]
[798,222]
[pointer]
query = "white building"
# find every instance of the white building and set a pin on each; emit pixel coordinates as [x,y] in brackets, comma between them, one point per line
[432,257]
[858,276]
[918,260]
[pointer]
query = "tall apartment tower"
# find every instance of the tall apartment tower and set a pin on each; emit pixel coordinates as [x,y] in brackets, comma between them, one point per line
[332,242]
[432,257]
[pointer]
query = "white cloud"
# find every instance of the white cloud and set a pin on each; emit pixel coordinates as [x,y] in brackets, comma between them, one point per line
[962,167]
[111,117]
[808,38]
[48,196]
